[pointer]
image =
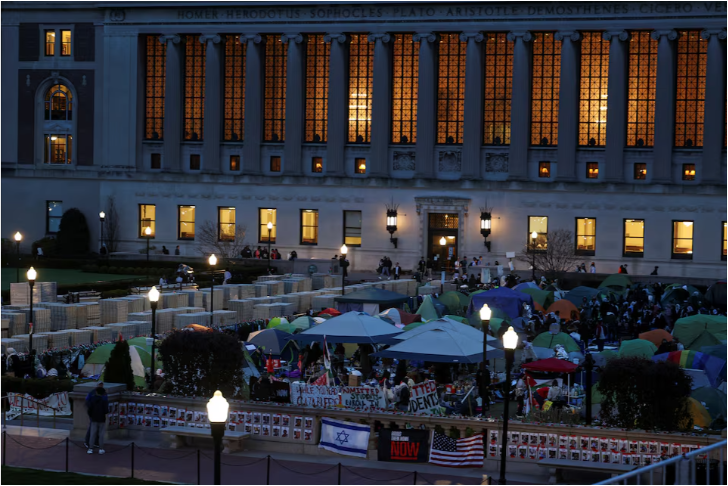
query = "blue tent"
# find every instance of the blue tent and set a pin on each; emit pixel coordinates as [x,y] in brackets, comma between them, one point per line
[275,342]
[441,346]
[525,285]
[352,327]
[503,298]
[445,323]
[576,295]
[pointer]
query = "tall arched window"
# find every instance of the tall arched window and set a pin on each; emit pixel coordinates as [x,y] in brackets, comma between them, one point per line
[58,103]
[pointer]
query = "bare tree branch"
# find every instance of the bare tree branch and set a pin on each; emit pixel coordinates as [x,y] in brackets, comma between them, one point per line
[208,241]
[559,256]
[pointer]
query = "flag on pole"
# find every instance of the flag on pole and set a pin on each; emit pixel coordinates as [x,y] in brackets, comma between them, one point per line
[445,451]
[327,364]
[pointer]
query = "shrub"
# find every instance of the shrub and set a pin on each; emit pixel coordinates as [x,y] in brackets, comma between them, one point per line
[118,367]
[36,388]
[113,294]
[73,234]
[49,245]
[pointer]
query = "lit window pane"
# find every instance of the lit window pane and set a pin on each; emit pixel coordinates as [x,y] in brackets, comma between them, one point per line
[405,82]
[155,83]
[194,88]
[65,43]
[451,89]
[234,89]
[186,223]
[634,236]
[226,224]
[267,215]
[352,228]
[545,89]
[641,90]
[361,68]
[309,227]
[593,90]
[692,54]
[540,225]
[317,88]
[147,219]
[682,238]
[274,129]
[586,230]
[498,78]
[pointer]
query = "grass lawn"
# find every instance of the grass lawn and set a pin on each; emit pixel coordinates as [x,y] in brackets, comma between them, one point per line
[16,475]
[62,276]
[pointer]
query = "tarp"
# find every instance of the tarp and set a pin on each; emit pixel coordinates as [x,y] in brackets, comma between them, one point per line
[565,309]
[352,327]
[448,324]
[637,347]
[712,399]
[689,328]
[427,309]
[656,336]
[716,294]
[372,295]
[576,295]
[548,340]
[508,300]
[618,281]
[543,297]
[552,365]
[714,367]
[440,346]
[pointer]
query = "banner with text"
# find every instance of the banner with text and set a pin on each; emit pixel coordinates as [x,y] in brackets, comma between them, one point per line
[423,399]
[41,406]
[408,445]
[356,397]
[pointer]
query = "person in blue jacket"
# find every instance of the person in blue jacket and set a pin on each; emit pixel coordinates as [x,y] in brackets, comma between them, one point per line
[98,407]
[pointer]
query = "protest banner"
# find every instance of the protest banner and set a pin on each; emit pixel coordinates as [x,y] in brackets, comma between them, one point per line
[42,406]
[362,397]
[408,445]
[423,399]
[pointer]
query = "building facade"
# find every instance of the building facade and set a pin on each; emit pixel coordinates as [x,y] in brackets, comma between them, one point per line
[604,119]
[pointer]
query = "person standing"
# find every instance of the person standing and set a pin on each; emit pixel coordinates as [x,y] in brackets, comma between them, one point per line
[422,266]
[176,250]
[654,272]
[592,268]
[227,276]
[98,408]
[87,403]
[397,270]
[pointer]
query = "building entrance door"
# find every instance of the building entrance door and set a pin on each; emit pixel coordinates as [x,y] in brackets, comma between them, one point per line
[442,240]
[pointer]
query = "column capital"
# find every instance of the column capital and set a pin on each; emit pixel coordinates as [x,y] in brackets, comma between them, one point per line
[214,38]
[570,34]
[335,36]
[525,35]
[170,37]
[622,35]
[255,38]
[424,36]
[670,33]
[297,38]
[383,36]
[476,36]
[707,33]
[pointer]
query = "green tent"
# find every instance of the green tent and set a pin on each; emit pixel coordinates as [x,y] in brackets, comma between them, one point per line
[714,400]
[548,340]
[277,321]
[303,323]
[637,347]
[495,324]
[544,297]
[705,339]
[675,295]
[688,329]
[617,281]
[609,354]
[427,310]
[451,301]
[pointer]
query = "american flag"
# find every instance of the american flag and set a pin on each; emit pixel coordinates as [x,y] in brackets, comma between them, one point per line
[457,452]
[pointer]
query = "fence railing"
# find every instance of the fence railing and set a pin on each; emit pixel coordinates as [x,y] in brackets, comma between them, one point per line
[696,467]
[5,407]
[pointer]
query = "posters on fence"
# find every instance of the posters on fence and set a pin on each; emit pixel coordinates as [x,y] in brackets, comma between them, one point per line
[40,406]
[423,399]
[361,397]
[408,445]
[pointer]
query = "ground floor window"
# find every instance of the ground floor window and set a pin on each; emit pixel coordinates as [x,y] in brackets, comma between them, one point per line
[58,149]
[54,213]
[682,240]
[540,226]
[309,226]
[586,236]
[226,224]
[265,216]
[634,237]
[186,222]
[725,247]
[352,228]
[147,219]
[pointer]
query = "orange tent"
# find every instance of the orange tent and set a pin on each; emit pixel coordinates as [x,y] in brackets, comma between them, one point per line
[538,307]
[656,336]
[331,312]
[565,309]
[197,327]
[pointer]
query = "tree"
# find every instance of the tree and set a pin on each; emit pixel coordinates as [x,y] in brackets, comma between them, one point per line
[643,394]
[558,257]
[111,226]
[73,234]
[118,367]
[208,241]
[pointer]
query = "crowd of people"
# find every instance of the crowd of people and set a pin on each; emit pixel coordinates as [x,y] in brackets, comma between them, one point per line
[261,253]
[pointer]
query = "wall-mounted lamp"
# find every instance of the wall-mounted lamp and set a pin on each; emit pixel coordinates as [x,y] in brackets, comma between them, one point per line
[485,219]
[392,221]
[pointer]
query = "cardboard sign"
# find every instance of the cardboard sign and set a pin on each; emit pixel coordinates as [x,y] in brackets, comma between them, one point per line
[361,397]
[409,445]
[423,399]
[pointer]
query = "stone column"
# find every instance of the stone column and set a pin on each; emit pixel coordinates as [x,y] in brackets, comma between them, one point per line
[616,106]
[714,107]
[254,85]
[568,105]
[426,106]
[664,106]
[520,106]
[213,117]
[173,102]
[338,103]
[473,112]
[295,104]
[381,106]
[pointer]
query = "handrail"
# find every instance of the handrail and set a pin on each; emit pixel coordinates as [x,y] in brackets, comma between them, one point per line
[37,409]
[677,460]
[31,400]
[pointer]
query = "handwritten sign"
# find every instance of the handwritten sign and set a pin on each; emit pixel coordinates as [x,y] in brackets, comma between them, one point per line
[362,397]
[423,399]
[345,396]
[41,406]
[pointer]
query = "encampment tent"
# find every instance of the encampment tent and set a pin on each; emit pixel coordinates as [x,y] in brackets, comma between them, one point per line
[548,340]
[503,298]
[637,347]
[372,296]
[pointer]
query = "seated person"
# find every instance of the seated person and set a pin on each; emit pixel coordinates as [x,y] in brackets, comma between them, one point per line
[556,395]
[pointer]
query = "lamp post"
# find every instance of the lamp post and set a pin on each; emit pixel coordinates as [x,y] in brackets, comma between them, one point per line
[588,367]
[510,341]
[392,222]
[485,220]
[217,414]
[32,274]
[270,228]
[153,299]
[534,235]
[102,217]
[342,264]
[485,314]
[212,261]
[18,238]
[148,235]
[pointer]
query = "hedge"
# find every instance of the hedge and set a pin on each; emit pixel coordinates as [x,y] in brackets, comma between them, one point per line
[37,388]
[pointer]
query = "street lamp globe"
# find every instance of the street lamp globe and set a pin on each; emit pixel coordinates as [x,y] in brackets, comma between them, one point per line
[269,226]
[485,313]
[148,231]
[32,274]
[154,295]
[510,339]
[102,215]
[18,236]
[534,235]
[212,260]
[344,249]
[217,408]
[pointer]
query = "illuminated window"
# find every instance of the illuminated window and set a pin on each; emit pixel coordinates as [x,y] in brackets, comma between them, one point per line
[309,226]
[725,241]
[688,172]
[451,89]
[194,161]
[544,169]
[539,224]
[186,222]
[234,162]
[361,68]
[65,43]
[692,53]
[352,229]
[59,103]
[360,166]
[405,84]
[58,148]
[640,172]
[147,219]
[156,161]
[592,170]
[225,224]
[266,215]
[317,88]
[593,92]
[682,240]
[317,164]
[545,90]
[586,236]
[234,95]
[641,90]
[275,89]
[498,80]
[194,88]
[275,163]
[155,82]
[54,214]
[634,237]
[50,42]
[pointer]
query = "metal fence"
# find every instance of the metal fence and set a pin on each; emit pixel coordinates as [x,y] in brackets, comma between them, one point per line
[706,465]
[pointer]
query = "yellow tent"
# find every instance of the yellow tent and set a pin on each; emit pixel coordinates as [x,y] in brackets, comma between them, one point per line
[700,415]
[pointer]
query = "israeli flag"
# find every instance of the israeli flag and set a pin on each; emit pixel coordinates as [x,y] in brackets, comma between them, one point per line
[347,438]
